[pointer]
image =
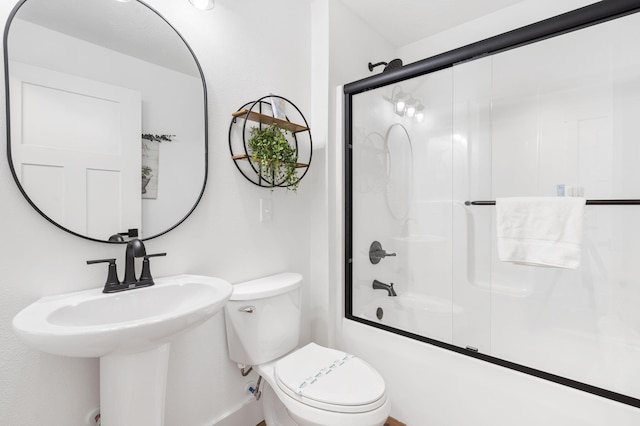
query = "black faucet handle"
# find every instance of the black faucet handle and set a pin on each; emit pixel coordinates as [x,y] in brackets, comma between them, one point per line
[155,255]
[91,262]
[145,275]
[112,275]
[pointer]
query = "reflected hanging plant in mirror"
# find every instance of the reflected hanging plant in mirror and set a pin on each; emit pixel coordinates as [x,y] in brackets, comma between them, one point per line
[158,138]
[275,157]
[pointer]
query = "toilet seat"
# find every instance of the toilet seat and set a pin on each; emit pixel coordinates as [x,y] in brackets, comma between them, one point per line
[330,380]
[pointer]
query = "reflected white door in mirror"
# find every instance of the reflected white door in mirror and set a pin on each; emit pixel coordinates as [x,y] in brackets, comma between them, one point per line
[86,79]
[76,145]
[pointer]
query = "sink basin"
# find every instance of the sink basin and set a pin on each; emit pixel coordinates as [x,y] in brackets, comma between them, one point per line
[94,324]
[130,332]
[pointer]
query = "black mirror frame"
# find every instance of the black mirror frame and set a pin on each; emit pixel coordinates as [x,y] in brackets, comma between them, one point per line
[8,125]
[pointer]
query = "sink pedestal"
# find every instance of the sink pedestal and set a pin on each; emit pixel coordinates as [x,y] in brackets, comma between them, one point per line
[132,387]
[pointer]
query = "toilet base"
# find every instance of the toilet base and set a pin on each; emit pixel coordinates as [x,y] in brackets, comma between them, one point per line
[275,413]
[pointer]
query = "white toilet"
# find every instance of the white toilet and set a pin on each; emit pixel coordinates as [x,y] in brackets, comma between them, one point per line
[310,386]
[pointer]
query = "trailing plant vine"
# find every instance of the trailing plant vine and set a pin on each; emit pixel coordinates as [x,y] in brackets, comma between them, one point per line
[274,155]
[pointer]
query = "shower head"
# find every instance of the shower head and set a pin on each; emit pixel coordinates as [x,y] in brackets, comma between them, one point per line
[395,63]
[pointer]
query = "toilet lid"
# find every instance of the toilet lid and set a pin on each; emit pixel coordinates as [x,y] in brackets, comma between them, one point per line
[330,379]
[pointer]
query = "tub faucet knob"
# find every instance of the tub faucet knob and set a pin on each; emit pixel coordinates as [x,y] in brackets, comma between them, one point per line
[377,253]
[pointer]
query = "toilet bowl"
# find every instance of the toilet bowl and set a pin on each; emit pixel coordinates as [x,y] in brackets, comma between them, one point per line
[308,386]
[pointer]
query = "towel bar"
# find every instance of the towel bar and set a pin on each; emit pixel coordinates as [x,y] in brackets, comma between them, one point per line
[589,202]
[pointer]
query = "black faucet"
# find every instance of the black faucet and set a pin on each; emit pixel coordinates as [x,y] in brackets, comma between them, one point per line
[377,285]
[135,248]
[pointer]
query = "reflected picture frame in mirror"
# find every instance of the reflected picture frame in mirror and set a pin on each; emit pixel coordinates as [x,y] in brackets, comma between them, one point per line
[80,120]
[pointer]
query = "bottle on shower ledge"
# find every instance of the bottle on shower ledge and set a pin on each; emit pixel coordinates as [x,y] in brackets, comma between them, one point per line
[563,190]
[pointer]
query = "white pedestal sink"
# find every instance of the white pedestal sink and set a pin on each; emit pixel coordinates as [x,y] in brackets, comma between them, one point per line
[130,332]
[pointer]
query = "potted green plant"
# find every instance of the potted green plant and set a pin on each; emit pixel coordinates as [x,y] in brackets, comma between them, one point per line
[274,156]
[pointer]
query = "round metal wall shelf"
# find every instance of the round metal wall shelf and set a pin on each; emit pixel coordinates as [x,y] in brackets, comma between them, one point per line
[261,113]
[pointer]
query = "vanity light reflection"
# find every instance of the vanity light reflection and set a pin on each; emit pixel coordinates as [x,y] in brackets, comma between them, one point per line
[404,104]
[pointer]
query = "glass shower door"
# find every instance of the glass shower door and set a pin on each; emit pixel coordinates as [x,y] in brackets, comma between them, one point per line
[402,171]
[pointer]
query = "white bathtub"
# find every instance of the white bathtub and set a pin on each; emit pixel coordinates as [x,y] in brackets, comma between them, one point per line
[416,313]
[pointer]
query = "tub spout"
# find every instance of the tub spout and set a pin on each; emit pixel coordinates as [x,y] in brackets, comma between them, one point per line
[377,285]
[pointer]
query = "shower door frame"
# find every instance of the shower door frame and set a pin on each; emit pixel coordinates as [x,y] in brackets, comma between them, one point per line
[571,21]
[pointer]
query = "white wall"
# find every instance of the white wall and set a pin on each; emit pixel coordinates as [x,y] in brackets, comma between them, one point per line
[222,238]
[429,385]
[334,62]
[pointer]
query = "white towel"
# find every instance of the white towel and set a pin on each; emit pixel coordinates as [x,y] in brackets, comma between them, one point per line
[540,231]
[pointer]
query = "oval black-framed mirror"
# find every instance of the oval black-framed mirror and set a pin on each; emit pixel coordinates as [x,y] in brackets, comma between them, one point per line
[106,109]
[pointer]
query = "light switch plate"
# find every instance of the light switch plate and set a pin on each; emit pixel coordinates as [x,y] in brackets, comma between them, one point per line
[266,210]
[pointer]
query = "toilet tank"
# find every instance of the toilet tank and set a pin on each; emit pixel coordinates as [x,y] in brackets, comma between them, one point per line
[263,318]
